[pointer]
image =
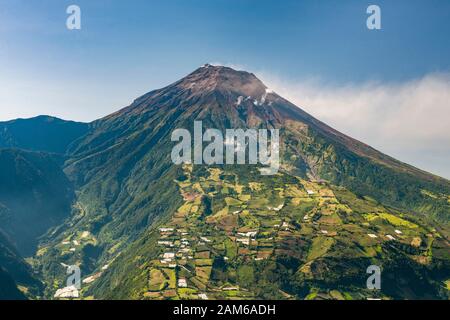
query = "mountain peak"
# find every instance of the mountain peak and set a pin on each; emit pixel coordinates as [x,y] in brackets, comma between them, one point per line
[209,78]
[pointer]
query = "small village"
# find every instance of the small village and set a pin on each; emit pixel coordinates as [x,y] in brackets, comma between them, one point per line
[243,225]
[250,229]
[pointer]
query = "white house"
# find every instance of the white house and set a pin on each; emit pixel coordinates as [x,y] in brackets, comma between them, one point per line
[182,283]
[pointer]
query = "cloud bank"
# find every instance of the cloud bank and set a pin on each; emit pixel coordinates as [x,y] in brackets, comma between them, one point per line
[409,121]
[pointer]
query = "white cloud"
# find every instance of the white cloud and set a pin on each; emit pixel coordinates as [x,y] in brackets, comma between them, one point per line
[409,121]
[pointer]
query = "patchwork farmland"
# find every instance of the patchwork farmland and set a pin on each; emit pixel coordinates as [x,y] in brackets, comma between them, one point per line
[228,228]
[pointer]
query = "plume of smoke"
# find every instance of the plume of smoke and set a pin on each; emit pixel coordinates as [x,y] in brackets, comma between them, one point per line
[408,120]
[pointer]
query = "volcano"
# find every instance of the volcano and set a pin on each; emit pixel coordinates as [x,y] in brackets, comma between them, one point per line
[135,138]
[146,228]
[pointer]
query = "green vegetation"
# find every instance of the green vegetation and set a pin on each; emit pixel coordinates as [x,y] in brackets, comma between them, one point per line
[231,253]
[141,227]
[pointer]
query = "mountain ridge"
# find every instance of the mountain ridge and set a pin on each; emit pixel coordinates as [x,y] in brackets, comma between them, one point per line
[41,133]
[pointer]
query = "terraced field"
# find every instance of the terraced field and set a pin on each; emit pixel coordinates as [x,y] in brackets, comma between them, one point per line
[232,234]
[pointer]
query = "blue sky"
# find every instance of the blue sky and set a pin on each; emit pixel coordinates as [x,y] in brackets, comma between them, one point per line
[126,48]
[167,38]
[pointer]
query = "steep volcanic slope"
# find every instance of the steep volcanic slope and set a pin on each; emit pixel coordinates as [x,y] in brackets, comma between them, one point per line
[41,133]
[127,182]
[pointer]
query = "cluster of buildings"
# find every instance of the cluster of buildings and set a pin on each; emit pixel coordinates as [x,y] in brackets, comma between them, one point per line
[176,245]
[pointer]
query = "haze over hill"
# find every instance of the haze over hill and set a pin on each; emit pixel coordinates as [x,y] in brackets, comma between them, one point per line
[35,195]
